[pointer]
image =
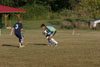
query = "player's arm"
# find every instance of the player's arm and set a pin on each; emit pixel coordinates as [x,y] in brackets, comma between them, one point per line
[22,29]
[12,29]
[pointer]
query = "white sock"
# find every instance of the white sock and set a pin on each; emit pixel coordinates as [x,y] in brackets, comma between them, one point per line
[54,41]
[21,41]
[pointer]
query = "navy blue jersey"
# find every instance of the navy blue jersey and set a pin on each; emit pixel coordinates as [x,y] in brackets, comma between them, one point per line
[17,27]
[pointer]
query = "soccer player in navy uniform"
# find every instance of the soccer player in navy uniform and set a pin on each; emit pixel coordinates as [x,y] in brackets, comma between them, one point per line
[50,32]
[17,28]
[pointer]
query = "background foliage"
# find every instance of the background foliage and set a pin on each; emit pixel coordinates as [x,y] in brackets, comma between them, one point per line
[52,10]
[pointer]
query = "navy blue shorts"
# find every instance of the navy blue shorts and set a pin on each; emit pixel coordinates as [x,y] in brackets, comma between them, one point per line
[51,33]
[19,35]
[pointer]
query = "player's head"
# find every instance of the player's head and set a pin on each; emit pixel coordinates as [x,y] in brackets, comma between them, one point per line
[19,20]
[43,26]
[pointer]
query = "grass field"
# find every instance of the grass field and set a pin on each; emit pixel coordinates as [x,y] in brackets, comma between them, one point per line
[73,51]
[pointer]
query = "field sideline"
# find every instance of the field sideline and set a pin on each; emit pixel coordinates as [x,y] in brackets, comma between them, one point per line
[73,51]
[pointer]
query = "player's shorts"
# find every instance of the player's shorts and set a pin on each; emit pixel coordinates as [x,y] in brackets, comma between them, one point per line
[19,35]
[51,33]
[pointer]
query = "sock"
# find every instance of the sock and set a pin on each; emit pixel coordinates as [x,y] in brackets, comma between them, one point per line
[49,41]
[21,41]
[54,41]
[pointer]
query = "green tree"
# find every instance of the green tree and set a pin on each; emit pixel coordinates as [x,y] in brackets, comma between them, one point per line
[92,7]
[7,2]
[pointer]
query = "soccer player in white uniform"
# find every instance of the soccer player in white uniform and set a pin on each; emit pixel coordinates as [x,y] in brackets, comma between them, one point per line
[50,32]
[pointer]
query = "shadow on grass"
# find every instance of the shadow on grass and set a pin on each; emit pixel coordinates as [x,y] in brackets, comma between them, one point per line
[7,45]
[39,44]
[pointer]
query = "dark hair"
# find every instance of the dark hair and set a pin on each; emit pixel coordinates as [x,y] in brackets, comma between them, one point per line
[42,25]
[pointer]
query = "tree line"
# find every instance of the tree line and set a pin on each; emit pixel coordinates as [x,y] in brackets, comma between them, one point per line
[90,8]
[54,4]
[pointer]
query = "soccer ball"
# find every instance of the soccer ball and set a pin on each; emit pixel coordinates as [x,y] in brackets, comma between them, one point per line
[44,32]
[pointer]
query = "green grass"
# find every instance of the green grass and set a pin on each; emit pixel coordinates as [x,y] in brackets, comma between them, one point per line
[73,51]
[35,24]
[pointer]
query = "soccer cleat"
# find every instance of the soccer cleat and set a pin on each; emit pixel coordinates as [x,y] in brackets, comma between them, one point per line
[22,46]
[50,44]
[19,45]
[56,44]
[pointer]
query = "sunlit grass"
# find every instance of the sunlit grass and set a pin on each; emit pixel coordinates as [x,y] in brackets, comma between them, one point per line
[73,51]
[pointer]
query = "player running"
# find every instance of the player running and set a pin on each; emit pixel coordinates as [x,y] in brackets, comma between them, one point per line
[50,32]
[17,28]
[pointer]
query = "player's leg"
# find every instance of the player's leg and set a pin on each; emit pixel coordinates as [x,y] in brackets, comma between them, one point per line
[18,36]
[50,43]
[52,39]
[21,38]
